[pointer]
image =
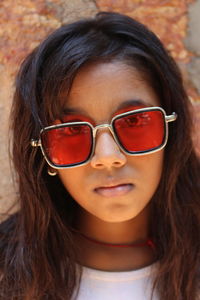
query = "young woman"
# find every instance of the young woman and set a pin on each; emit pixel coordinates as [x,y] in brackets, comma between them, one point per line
[107,173]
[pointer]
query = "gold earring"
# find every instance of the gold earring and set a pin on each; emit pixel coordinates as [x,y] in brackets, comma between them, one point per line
[52,173]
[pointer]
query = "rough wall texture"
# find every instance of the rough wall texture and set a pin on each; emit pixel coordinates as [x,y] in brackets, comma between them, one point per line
[192,42]
[24,23]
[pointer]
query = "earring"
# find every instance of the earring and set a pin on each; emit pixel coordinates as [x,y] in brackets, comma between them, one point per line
[51,173]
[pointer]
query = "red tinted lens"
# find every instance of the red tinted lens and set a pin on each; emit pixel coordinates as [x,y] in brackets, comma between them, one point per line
[141,131]
[67,145]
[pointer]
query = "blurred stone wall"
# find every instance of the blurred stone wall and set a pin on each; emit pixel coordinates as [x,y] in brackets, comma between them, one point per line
[24,23]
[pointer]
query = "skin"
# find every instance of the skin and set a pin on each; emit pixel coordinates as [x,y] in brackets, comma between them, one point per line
[97,92]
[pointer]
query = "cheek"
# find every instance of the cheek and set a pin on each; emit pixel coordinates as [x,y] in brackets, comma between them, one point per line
[147,170]
[152,169]
[72,180]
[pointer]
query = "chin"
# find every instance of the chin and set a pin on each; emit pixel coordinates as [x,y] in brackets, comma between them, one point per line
[117,217]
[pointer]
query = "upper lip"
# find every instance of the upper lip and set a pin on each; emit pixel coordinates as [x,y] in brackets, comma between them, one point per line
[112,183]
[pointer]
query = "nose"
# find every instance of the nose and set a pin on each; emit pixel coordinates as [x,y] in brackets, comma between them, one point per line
[107,153]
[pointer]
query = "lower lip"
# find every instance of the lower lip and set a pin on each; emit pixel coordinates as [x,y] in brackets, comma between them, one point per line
[118,190]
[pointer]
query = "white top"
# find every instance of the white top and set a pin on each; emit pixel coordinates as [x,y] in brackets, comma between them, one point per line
[128,285]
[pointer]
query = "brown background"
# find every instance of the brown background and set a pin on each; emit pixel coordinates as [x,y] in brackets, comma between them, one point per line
[24,23]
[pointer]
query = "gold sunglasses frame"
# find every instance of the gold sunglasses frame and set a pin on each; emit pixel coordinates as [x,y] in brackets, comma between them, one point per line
[167,119]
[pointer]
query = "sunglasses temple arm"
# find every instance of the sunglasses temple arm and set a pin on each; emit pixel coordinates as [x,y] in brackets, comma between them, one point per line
[171,118]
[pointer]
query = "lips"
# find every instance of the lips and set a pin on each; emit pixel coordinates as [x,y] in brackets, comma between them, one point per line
[115,190]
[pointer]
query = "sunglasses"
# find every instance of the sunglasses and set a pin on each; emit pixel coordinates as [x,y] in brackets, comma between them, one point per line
[136,132]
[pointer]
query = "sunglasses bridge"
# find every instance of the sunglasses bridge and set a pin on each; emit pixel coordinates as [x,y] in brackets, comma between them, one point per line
[102,126]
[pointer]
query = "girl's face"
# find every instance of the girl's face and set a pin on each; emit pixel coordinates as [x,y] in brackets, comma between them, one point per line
[113,186]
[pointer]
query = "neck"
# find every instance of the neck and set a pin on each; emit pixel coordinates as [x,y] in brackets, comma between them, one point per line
[99,255]
[148,243]
[109,257]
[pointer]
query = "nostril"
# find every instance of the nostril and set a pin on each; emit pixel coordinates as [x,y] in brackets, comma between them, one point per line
[99,165]
[117,163]
[101,161]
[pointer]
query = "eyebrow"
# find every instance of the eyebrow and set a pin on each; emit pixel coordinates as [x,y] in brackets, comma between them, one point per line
[127,103]
[133,102]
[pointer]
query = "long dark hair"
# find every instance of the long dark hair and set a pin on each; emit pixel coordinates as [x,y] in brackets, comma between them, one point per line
[38,255]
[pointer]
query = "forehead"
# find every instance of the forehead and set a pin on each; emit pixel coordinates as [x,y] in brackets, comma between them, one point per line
[99,90]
